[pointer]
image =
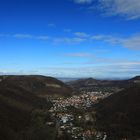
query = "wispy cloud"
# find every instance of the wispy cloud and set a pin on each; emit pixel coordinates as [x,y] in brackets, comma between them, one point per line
[42,37]
[83,1]
[23,36]
[132,42]
[112,61]
[129,9]
[85,55]
[29,36]
[81,34]
[68,40]
[124,70]
[108,38]
[19,72]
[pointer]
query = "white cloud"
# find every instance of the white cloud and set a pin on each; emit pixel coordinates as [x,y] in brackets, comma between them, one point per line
[42,37]
[23,36]
[78,54]
[83,1]
[119,70]
[81,34]
[68,40]
[29,36]
[123,69]
[129,9]
[132,42]
[111,61]
[107,38]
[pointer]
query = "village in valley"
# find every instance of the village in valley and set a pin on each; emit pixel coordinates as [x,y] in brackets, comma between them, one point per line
[73,119]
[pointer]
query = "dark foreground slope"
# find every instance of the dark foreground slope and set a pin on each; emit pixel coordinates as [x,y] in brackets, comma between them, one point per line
[119,114]
[23,106]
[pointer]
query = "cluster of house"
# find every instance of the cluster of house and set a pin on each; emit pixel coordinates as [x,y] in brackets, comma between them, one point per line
[79,101]
[65,121]
[66,124]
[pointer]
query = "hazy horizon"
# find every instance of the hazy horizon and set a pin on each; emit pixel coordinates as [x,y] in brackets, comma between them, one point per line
[73,78]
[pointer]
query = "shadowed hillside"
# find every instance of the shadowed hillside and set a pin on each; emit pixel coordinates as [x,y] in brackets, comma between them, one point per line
[119,114]
[23,105]
[39,85]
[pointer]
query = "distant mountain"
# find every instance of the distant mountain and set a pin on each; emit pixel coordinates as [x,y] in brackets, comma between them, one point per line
[119,114]
[136,78]
[22,100]
[83,82]
[90,82]
[90,85]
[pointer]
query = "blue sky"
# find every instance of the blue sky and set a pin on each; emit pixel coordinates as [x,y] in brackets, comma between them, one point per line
[70,38]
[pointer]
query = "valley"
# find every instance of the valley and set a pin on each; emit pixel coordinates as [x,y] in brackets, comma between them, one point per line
[41,108]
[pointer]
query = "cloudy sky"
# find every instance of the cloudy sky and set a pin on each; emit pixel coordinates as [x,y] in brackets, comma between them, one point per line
[70,38]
